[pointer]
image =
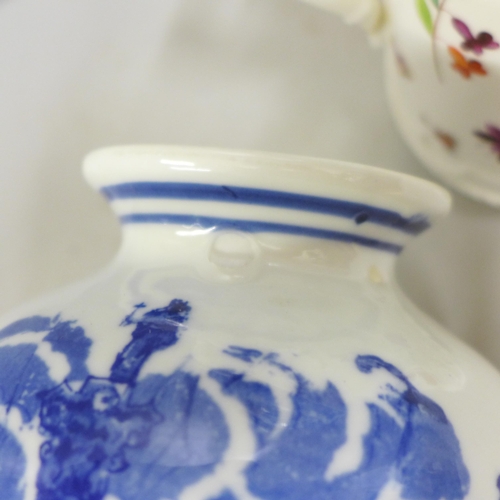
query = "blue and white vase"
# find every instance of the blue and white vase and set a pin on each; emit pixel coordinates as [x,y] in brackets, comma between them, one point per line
[248,342]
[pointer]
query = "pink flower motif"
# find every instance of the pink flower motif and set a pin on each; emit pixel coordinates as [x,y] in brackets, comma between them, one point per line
[492,136]
[477,43]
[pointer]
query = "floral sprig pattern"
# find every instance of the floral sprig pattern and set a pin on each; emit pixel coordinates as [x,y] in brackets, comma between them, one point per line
[465,54]
[446,139]
[466,67]
[431,14]
[490,135]
[476,44]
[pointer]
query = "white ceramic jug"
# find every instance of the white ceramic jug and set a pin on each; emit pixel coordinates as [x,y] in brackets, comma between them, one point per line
[443,75]
[248,342]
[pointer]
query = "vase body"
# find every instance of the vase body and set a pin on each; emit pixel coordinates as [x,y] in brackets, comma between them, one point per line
[248,342]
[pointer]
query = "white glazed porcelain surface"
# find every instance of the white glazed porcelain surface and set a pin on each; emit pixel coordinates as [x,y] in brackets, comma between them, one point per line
[234,356]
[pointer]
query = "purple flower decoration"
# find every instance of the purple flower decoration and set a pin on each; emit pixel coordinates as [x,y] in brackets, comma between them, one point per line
[492,136]
[475,43]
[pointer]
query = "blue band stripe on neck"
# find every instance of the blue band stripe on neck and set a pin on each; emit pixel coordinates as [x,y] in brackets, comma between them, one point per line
[358,212]
[251,226]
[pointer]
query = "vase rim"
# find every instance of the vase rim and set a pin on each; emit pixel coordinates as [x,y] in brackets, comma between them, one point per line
[123,164]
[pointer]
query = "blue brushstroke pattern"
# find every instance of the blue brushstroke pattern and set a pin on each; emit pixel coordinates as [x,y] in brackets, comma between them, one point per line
[429,461]
[256,226]
[255,396]
[243,353]
[294,464]
[22,377]
[24,372]
[185,446]
[31,324]
[135,439]
[359,212]
[225,495]
[12,466]
[157,330]
[423,455]
[70,340]
[151,438]
[89,432]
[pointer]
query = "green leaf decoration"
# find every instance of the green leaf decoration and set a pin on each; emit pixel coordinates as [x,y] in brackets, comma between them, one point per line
[436,3]
[425,15]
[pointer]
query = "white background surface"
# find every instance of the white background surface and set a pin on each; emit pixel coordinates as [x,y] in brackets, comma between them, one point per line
[273,75]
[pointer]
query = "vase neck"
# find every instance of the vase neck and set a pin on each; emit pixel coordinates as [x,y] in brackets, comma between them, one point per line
[283,209]
[235,255]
